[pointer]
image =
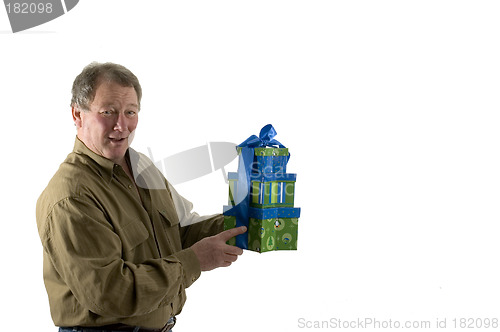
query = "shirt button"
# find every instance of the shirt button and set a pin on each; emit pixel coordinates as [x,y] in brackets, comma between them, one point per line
[129,186]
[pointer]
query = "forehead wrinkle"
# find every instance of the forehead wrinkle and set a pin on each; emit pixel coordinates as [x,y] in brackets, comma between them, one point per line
[112,100]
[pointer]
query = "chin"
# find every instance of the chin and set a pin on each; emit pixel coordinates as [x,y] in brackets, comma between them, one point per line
[116,156]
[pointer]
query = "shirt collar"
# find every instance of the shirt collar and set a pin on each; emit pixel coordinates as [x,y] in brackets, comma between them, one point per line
[107,165]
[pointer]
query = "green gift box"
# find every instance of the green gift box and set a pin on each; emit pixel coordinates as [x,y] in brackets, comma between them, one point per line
[230,222]
[272,234]
[269,229]
[266,190]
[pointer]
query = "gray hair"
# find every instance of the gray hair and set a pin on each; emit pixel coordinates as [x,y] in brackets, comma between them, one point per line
[85,84]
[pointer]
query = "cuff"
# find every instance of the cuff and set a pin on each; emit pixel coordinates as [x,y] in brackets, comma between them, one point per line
[190,265]
[220,224]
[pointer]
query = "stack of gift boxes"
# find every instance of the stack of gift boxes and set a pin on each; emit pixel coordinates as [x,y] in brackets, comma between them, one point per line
[272,218]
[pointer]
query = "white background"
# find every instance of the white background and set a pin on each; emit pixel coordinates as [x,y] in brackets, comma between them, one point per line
[391,113]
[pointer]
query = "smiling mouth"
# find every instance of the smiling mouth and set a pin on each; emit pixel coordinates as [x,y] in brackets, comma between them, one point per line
[117,140]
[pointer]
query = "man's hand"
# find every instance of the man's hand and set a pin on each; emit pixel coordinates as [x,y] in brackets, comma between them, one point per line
[213,252]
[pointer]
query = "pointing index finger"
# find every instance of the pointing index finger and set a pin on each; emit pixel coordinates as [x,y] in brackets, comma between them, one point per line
[230,233]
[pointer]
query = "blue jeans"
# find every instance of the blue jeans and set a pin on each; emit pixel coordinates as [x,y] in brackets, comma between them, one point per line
[78,329]
[83,329]
[90,329]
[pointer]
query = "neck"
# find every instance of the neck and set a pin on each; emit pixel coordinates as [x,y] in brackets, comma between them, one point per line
[126,167]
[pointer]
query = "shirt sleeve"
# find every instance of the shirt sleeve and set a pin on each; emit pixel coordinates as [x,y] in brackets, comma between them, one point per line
[195,232]
[86,252]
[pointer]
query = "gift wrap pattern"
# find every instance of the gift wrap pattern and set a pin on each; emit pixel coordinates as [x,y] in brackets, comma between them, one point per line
[266,190]
[273,229]
[273,219]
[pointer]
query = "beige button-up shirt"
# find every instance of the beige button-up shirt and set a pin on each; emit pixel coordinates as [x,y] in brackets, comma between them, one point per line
[114,252]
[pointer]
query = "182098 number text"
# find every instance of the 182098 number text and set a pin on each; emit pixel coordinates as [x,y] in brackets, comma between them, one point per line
[29,8]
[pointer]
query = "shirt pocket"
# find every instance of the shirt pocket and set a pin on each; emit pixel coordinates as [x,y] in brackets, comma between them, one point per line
[133,234]
[171,230]
[168,217]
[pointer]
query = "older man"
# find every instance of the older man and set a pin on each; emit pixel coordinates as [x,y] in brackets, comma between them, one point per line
[120,245]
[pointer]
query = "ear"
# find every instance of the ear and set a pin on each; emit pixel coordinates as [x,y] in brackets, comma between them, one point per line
[77,116]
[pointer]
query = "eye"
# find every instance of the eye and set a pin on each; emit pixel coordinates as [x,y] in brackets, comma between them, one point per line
[106,112]
[131,113]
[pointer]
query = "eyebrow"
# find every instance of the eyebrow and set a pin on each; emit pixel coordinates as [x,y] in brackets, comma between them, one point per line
[114,105]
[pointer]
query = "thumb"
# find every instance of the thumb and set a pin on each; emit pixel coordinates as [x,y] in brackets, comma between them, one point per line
[226,235]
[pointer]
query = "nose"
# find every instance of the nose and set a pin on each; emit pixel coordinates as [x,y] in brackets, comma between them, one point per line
[121,122]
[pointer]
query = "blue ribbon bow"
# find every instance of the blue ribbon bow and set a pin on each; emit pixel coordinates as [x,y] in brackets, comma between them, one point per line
[266,138]
[242,195]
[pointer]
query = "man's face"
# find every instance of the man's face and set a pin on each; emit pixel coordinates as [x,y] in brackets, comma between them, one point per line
[107,128]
